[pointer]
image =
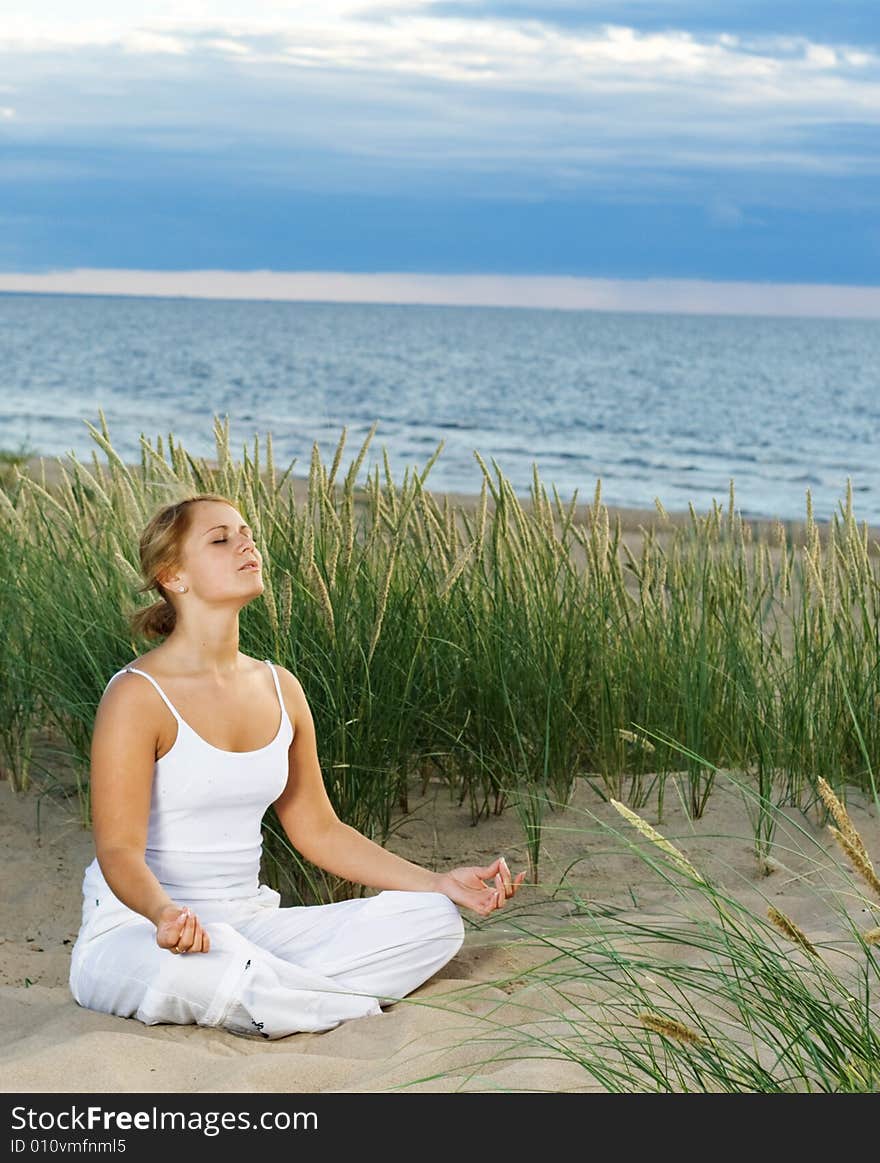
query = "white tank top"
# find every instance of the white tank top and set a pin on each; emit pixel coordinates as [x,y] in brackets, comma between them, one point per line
[204,837]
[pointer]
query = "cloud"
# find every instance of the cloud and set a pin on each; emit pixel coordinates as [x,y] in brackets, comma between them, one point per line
[476,96]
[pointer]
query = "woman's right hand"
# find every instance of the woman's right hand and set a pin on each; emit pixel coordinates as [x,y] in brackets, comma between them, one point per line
[179,931]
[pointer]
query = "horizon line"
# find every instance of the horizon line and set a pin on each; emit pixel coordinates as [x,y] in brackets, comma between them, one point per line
[551,292]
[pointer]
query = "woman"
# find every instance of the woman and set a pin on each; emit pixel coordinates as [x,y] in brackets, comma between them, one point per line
[176,926]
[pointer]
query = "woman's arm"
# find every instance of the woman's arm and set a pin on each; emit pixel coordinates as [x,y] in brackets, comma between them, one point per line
[123,754]
[314,829]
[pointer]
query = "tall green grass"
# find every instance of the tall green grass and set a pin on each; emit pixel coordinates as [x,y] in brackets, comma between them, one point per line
[508,651]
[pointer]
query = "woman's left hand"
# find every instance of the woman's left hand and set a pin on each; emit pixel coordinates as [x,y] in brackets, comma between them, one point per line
[468,887]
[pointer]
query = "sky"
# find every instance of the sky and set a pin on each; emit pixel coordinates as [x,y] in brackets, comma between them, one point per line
[717,156]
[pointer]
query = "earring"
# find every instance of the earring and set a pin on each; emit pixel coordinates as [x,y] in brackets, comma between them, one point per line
[182,589]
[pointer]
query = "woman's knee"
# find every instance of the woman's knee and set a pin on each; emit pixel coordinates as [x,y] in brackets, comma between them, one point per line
[430,915]
[448,915]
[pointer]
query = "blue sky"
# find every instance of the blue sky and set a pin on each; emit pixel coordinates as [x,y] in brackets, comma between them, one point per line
[631,142]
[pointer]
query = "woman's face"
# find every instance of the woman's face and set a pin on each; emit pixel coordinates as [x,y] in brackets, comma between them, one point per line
[219,559]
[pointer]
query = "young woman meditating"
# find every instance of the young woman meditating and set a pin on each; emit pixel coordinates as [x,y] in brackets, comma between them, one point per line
[191,745]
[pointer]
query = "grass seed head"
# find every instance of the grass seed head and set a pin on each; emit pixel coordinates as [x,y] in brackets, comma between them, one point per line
[656,838]
[632,737]
[670,1028]
[860,861]
[842,817]
[787,926]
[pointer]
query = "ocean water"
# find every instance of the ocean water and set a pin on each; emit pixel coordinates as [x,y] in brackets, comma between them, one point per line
[656,406]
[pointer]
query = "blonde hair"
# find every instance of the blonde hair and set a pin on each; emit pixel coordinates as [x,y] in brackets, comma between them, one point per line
[160,549]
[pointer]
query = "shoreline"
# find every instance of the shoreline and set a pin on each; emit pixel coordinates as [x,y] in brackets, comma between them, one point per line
[633,521]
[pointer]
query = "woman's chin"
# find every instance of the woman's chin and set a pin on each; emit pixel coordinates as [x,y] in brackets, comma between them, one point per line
[254,590]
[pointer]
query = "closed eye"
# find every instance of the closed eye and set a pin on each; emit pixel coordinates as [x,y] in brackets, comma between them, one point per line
[220,541]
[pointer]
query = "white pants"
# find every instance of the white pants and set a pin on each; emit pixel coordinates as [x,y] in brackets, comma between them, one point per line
[270,971]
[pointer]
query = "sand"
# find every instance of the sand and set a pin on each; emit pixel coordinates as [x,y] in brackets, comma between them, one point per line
[445,1036]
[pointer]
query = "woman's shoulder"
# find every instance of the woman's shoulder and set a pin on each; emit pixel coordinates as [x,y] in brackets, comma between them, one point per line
[292,692]
[285,676]
[124,680]
[124,689]
[128,700]
[147,662]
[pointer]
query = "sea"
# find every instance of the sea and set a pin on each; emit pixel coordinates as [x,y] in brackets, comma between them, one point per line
[651,406]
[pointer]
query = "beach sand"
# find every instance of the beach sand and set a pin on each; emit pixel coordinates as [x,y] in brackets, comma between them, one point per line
[464,1030]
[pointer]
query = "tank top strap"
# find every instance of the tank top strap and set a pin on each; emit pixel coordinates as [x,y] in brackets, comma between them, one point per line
[271,666]
[163,696]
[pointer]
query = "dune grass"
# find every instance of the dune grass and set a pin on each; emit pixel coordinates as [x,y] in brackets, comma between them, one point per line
[509,649]
[713,995]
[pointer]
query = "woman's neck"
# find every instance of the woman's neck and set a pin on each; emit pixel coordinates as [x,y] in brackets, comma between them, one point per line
[205,647]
